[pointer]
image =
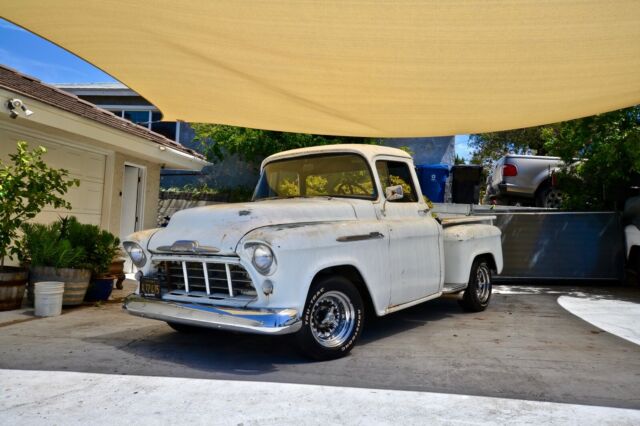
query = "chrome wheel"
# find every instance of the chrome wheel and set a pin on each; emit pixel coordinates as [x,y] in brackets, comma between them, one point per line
[483,283]
[332,319]
[553,199]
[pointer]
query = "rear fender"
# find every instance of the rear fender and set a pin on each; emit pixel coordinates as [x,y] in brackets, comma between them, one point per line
[463,244]
[631,238]
[544,178]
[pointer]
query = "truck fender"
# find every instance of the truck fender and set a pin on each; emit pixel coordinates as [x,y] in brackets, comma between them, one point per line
[351,273]
[543,178]
[463,244]
[631,238]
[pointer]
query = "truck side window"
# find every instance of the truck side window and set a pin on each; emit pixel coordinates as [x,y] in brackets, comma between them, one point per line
[397,173]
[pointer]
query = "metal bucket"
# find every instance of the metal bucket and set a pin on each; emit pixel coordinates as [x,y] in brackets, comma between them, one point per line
[75,281]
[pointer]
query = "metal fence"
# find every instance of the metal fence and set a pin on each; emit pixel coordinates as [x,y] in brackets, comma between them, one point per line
[555,245]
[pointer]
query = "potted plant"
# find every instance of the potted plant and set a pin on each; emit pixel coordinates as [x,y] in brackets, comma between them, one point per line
[53,257]
[27,185]
[100,247]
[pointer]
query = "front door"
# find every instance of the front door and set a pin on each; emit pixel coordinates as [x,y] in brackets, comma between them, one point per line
[414,247]
[130,220]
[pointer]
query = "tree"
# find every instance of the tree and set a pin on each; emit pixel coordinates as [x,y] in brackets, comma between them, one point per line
[27,185]
[608,146]
[489,147]
[459,160]
[252,145]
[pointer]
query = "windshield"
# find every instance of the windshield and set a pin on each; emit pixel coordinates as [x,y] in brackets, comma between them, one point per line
[332,175]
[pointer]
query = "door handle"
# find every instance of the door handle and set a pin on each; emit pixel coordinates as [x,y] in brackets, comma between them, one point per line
[361,237]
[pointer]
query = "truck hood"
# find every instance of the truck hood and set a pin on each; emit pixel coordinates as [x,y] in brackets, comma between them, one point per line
[222,226]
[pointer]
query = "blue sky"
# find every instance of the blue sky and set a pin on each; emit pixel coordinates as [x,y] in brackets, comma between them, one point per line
[32,55]
[462,147]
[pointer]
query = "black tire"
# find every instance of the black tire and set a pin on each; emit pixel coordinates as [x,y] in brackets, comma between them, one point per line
[184,328]
[633,267]
[332,319]
[477,295]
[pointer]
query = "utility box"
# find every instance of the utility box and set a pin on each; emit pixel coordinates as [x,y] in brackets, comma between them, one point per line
[433,180]
[465,186]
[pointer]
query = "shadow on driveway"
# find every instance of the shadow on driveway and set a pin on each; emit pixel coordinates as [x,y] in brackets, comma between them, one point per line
[250,355]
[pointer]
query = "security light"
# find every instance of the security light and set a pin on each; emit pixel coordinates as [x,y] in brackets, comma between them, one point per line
[27,111]
[14,104]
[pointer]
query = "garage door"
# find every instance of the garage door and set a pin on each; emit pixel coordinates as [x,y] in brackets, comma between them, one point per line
[87,166]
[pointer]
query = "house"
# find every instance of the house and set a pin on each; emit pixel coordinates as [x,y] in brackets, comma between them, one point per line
[231,172]
[125,103]
[117,162]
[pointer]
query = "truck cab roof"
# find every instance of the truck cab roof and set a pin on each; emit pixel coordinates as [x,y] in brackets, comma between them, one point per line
[367,151]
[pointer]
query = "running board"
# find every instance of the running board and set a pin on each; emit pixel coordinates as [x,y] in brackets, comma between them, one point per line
[453,288]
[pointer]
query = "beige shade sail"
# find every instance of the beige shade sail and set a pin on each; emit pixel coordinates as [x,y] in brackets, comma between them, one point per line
[357,67]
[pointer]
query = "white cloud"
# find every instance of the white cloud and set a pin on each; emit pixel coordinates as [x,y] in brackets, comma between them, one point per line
[6,25]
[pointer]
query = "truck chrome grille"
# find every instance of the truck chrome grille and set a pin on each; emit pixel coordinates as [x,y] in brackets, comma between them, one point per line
[205,278]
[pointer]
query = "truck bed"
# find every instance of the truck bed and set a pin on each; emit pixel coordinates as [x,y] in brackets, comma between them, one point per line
[447,221]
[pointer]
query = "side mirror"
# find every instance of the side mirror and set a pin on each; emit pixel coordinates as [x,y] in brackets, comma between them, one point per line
[394,193]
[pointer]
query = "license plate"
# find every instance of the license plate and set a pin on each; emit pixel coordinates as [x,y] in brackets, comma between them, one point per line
[149,288]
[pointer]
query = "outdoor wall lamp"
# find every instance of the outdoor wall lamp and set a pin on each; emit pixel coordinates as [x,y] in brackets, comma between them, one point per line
[15,104]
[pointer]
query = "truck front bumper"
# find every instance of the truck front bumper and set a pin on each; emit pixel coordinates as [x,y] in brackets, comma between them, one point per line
[256,321]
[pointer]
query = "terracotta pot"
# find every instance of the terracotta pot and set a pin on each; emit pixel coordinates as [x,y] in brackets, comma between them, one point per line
[117,269]
[75,282]
[12,284]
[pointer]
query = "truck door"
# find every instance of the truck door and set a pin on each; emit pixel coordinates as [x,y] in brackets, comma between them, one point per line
[414,237]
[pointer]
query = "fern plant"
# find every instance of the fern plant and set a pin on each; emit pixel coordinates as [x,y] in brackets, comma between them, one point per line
[100,246]
[68,243]
[43,245]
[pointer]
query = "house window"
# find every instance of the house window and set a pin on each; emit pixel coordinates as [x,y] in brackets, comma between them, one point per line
[142,118]
[152,121]
[168,129]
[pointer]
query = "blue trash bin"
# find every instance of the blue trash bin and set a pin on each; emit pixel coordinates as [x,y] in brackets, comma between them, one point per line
[433,180]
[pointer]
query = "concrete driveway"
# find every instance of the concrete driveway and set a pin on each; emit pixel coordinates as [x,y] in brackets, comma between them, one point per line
[525,346]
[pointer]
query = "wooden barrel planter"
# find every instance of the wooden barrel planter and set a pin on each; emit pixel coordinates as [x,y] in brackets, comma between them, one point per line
[117,269]
[75,282]
[12,284]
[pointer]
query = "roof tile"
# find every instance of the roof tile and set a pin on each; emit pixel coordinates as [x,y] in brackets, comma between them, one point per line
[28,86]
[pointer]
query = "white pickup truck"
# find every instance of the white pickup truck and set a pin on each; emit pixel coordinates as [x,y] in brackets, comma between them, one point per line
[333,234]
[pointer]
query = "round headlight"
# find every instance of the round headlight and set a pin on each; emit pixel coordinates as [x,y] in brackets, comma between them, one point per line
[262,258]
[136,253]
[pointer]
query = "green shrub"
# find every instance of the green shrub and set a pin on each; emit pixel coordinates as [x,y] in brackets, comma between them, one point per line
[27,185]
[68,243]
[232,195]
[43,245]
[100,246]
[608,146]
